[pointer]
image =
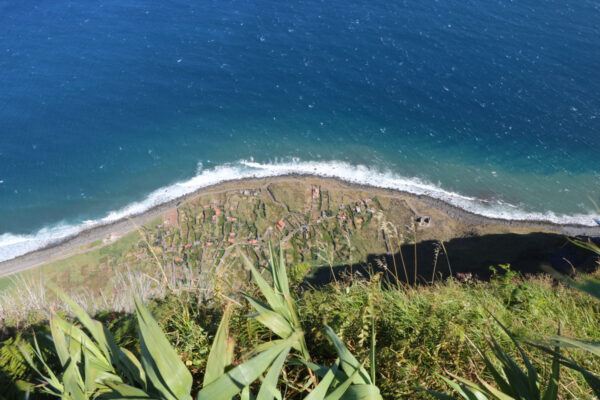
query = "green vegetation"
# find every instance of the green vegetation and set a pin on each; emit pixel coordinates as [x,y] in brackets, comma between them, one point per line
[94,366]
[511,380]
[514,383]
[328,226]
[421,333]
[83,268]
[213,305]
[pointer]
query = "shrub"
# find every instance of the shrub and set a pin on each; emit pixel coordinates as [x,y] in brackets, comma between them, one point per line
[94,366]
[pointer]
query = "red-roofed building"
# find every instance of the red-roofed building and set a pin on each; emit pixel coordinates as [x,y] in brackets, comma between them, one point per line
[280,225]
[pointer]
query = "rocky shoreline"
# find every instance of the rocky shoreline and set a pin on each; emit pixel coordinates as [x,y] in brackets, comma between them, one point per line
[77,242]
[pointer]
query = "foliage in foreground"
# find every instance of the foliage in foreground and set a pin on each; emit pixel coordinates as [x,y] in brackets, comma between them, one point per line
[425,333]
[511,381]
[514,383]
[592,288]
[94,366]
[420,333]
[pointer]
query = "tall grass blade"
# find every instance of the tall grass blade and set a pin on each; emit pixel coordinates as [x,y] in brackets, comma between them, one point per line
[552,390]
[466,394]
[516,380]
[589,286]
[295,324]
[51,378]
[592,379]
[246,394]
[496,375]
[372,358]
[132,368]
[339,391]
[497,394]
[470,390]
[72,380]
[588,245]
[60,342]
[348,391]
[512,381]
[78,336]
[102,352]
[99,332]
[362,392]
[532,375]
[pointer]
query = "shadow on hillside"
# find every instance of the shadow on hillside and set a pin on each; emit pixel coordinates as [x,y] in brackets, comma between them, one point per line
[472,255]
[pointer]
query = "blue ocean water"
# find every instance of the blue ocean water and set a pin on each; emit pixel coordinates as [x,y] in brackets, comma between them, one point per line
[109,107]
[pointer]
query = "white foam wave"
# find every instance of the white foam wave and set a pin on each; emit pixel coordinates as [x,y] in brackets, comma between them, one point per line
[15,245]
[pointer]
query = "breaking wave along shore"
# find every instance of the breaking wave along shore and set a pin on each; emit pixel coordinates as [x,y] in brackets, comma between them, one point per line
[12,245]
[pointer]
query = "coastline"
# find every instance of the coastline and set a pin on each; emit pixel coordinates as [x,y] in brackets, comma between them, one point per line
[67,246]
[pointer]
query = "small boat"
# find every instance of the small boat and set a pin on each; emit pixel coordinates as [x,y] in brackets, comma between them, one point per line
[596,220]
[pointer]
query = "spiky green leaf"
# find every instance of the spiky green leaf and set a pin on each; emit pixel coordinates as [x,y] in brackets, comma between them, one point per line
[164,370]
[235,380]
[281,277]
[122,391]
[339,391]
[362,392]
[274,300]
[349,363]
[268,389]
[219,357]
[320,391]
[270,318]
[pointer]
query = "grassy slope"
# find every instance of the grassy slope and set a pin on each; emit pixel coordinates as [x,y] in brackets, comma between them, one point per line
[88,268]
[420,333]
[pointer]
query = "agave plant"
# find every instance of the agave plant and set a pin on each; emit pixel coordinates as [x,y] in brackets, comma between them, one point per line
[95,367]
[87,362]
[347,378]
[279,313]
[511,381]
[92,367]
